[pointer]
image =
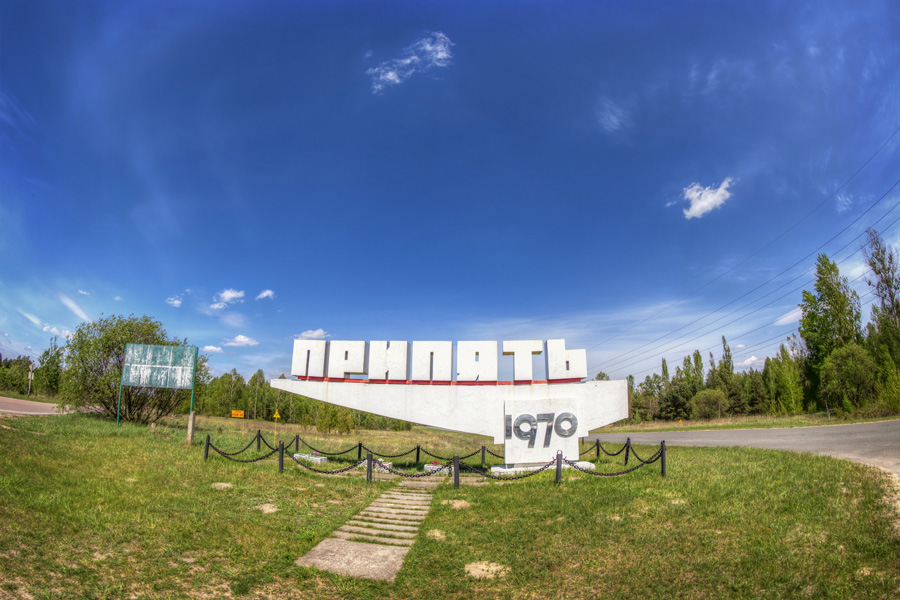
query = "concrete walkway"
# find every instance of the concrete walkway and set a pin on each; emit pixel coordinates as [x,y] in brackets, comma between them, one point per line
[374,543]
[875,444]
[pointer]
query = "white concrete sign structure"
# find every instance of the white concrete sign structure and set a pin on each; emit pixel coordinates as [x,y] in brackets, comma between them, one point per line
[534,419]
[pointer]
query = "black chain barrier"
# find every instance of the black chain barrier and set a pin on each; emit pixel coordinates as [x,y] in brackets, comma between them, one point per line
[367,449]
[659,455]
[626,471]
[448,467]
[353,447]
[621,450]
[506,477]
[242,450]
[249,460]
[335,472]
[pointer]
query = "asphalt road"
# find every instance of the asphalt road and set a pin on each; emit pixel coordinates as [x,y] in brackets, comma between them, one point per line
[12,406]
[875,444]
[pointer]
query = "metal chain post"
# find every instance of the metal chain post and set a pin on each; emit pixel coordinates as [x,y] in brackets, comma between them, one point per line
[597,447]
[206,448]
[558,467]
[627,449]
[281,456]
[369,467]
[662,456]
[258,435]
[456,472]
[482,457]
[418,449]
[359,452]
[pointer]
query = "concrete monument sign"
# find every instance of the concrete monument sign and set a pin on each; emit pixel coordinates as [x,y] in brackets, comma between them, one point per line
[534,419]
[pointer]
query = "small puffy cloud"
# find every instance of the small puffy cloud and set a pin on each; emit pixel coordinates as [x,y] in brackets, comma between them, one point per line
[612,117]
[266,294]
[313,334]
[118,298]
[212,349]
[789,318]
[230,296]
[240,340]
[174,301]
[424,54]
[218,306]
[46,327]
[76,310]
[752,362]
[705,199]
[84,293]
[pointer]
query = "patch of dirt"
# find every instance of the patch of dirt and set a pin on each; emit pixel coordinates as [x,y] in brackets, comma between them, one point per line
[267,509]
[457,504]
[437,534]
[188,560]
[320,485]
[130,479]
[98,556]
[864,572]
[486,570]
[222,486]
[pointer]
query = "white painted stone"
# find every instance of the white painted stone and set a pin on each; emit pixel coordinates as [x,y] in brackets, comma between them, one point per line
[388,360]
[432,361]
[313,458]
[309,358]
[564,364]
[347,358]
[476,361]
[522,351]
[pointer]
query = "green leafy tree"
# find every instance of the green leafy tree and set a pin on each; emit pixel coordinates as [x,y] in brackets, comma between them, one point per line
[49,370]
[783,388]
[708,404]
[848,378]
[831,319]
[601,376]
[95,355]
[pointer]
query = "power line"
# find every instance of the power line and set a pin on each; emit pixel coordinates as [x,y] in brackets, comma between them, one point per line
[781,235]
[616,360]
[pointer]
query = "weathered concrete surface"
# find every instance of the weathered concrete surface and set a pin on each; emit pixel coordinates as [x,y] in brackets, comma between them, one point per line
[357,559]
[876,444]
[391,521]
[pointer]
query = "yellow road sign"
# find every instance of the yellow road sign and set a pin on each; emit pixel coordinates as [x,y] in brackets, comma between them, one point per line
[277,416]
[237,414]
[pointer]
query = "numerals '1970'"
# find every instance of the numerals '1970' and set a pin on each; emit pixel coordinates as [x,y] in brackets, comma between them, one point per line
[563,424]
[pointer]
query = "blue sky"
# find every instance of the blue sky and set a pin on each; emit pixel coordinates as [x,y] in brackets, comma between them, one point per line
[614,173]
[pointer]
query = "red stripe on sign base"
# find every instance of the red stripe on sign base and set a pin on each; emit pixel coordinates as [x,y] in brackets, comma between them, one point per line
[570,380]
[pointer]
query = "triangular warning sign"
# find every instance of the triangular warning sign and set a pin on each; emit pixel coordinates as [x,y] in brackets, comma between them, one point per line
[277,416]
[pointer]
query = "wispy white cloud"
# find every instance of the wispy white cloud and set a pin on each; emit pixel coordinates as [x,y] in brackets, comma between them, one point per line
[76,310]
[752,362]
[212,349]
[84,293]
[46,327]
[842,202]
[118,299]
[230,296]
[218,306]
[240,341]
[705,199]
[266,294]
[233,320]
[791,317]
[424,54]
[611,116]
[313,334]
[174,301]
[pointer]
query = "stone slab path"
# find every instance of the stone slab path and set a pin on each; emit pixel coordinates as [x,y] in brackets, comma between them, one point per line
[374,543]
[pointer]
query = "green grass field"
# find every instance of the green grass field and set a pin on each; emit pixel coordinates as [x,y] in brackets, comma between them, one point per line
[90,511]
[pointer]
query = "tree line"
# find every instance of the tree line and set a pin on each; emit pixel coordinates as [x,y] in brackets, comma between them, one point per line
[833,365]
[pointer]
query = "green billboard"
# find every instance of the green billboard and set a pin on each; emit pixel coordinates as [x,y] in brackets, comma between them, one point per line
[148,365]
